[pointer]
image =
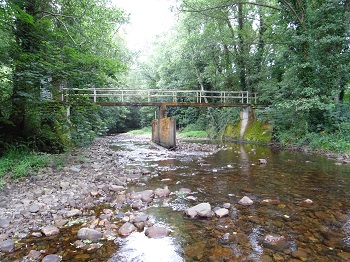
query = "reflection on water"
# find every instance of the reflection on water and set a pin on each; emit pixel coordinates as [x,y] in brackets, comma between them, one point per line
[139,248]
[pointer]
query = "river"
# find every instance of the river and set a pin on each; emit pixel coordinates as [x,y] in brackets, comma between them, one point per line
[300,209]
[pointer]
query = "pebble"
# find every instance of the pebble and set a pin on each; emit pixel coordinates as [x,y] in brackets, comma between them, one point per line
[246,201]
[34,208]
[4,223]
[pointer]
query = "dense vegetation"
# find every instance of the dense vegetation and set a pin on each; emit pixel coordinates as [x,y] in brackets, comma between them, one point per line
[294,53]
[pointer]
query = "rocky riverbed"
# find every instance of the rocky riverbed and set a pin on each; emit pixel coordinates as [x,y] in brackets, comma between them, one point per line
[57,197]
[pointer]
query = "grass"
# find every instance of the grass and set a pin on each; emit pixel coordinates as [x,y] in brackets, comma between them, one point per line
[20,162]
[196,134]
[143,131]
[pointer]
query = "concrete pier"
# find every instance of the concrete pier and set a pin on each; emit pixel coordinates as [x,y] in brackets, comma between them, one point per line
[164,129]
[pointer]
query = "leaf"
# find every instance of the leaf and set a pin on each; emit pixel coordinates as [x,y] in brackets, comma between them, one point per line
[22,15]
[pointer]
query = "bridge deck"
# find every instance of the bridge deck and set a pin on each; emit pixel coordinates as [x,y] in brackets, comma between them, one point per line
[157,97]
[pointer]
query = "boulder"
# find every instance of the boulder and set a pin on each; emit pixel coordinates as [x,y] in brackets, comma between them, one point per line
[90,234]
[7,246]
[246,201]
[157,232]
[200,210]
[50,230]
[126,229]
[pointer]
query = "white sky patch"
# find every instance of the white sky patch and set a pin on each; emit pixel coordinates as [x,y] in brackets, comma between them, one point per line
[148,18]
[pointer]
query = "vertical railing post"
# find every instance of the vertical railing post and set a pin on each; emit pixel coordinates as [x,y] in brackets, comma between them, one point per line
[95,95]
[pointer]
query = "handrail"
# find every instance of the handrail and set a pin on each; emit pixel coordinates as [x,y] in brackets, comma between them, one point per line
[160,95]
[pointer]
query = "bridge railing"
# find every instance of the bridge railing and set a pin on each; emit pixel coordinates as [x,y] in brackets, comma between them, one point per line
[159,95]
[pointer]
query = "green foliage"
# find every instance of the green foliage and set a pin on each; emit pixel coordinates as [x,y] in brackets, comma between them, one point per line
[194,134]
[20,162]
[143,131]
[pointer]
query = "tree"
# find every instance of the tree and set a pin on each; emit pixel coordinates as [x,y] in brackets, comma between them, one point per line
[55,44]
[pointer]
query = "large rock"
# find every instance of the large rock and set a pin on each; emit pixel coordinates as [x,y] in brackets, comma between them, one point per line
[90,234]
[50,230]
[52,258]
[200,210]
[126,229]
[7,246]
[246,201]
[157,232]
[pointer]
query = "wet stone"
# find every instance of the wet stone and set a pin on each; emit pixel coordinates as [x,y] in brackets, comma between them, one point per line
[200,210]
[34,255]
[90,234]
[50,230]
[157,232]
[300,254]
[7,246]
[222,212]
[275,242]
[246,201]
[52,258]
[126,229]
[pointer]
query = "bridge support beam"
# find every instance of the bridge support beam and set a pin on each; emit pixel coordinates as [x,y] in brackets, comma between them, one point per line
[164,129]
[244,119]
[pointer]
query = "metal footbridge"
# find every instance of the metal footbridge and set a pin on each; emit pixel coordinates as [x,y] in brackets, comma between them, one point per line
[159,97]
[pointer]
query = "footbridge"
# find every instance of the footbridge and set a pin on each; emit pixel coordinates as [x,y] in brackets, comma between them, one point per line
[164,128]
[159,97]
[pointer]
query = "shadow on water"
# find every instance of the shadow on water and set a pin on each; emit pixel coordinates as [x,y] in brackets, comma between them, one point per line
[300,211]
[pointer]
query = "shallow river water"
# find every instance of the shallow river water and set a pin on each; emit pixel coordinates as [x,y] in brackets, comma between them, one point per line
[300,210]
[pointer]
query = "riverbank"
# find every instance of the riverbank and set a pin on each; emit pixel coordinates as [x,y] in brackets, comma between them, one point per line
[92,176]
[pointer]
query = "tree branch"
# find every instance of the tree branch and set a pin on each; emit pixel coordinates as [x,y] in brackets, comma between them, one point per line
[193,10]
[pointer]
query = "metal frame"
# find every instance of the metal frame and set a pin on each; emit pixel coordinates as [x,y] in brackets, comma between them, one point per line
[152,96]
